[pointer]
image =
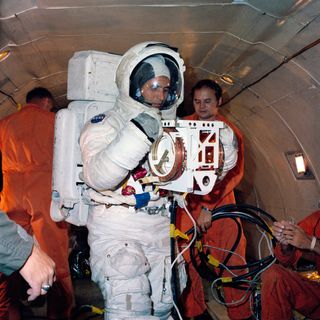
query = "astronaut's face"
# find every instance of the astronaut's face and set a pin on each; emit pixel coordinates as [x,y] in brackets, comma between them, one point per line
[155,91]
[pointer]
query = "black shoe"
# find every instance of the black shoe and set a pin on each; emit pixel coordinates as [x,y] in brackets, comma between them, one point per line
[204,316]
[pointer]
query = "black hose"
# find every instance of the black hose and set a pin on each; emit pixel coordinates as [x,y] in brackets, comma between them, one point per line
[244,212]
[201,268]
[234,247]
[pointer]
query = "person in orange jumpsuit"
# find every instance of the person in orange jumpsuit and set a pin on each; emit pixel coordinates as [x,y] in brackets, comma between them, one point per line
[207,97]
[284,290]
[26,144]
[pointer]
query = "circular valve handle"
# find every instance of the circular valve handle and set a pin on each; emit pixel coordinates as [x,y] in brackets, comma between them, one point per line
[167,157]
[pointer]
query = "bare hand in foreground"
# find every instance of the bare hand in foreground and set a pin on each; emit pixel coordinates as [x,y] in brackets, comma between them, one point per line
[38,271]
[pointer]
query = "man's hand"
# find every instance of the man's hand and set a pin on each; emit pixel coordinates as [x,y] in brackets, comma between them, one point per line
[204,220]
[297,237]
[277,230]
[38,271]
[290,234]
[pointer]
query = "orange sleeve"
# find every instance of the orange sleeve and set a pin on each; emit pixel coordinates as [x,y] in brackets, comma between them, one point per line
[311,224]
[287,259]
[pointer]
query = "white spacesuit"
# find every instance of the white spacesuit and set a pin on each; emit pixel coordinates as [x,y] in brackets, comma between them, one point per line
[128,223]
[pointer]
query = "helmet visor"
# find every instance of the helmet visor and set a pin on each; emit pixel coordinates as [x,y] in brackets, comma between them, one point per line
[156,82]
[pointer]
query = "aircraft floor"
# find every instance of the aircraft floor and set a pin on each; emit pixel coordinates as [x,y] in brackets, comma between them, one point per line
[87,294]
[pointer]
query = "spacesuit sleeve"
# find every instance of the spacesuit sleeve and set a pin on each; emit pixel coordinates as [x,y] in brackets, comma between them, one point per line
[15,245]
[110,149]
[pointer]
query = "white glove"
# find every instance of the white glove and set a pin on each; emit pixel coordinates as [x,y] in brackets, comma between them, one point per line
[149,125]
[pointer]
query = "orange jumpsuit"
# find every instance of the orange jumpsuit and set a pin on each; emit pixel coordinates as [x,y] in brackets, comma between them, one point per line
[284,290]
[26,144]
[222,234]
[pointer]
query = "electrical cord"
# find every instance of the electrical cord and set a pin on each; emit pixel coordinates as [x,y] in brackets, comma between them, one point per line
[234,247]
[174,260]
[174,277]
[248,213]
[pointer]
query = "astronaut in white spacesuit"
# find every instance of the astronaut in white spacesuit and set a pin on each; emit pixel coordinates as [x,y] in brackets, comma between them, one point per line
[128,223]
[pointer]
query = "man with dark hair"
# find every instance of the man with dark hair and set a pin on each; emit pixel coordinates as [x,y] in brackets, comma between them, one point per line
[210,84]
[40,95]
[207,98]
[26,144]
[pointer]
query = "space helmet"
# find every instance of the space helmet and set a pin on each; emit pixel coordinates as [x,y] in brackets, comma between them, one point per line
[158,72]
[150,61]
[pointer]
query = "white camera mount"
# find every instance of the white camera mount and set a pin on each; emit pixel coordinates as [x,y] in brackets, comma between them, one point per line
[188,157]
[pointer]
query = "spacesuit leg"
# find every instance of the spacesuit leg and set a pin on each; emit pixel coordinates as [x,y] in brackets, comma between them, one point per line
[124,283]
[160,280]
